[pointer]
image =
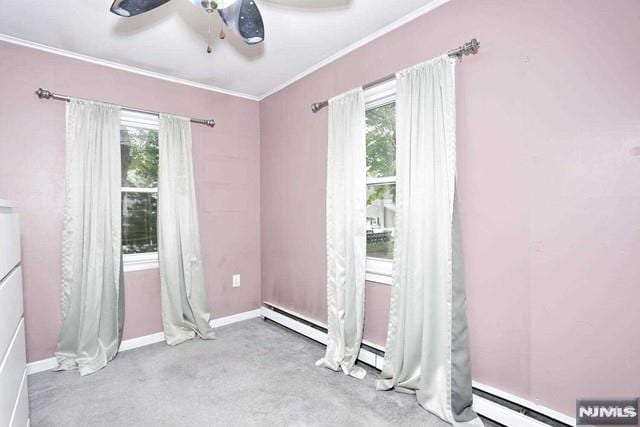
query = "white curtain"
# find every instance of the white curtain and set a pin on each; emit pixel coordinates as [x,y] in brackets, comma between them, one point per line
[346,233]
[184,299]
[92,296]
[427,350]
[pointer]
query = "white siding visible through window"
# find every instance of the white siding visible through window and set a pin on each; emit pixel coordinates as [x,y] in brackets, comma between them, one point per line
[139,154]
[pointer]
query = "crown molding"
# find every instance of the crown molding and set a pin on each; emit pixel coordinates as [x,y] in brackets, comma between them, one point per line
[371,37]
[122,67]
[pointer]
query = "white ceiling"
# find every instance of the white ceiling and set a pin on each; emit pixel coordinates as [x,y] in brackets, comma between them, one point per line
[171,40]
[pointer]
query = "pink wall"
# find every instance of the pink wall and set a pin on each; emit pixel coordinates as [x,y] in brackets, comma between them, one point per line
[227,172]
[549,152]
[549,166]
[377,300]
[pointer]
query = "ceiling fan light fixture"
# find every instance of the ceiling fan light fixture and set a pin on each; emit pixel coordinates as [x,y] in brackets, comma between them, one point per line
[128,8]
[212,5]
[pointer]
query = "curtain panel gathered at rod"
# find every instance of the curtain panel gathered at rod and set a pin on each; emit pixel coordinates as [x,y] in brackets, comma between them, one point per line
[427,350]
[346,232]
[92,279]
[185,313]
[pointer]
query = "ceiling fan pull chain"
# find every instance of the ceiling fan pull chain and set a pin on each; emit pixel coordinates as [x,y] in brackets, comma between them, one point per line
[209,49]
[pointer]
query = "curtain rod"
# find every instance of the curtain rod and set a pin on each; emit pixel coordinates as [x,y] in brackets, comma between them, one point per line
[469,48]
[46,94]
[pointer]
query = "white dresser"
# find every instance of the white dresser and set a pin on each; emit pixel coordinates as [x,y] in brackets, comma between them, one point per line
[14,402]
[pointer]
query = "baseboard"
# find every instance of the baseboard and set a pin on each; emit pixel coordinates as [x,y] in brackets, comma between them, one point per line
[526,403]
[494,411]
[41,365]
[316,333]
[234,318]
[503,415]
[51,363]
[132,343]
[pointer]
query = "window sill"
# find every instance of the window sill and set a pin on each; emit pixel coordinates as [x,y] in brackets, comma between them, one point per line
[378,278]
[138,262]
[379,270]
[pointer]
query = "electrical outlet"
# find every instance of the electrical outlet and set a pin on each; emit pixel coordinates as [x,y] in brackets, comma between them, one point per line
[236,281]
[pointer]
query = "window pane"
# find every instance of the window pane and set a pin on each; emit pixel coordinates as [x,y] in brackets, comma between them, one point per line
[381,216]
[381,162]
[139,148]
[139,222]
[381,141]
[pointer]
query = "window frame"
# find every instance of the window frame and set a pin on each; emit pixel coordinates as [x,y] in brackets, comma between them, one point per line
[380,270]
[144,260]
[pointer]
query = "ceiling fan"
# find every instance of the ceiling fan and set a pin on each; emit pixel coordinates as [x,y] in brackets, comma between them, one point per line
[242,17]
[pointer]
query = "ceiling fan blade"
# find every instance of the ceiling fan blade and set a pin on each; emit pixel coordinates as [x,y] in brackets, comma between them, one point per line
[245,20]
[129,8]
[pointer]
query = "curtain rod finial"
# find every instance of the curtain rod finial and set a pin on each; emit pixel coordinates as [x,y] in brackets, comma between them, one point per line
[317,106]
[44,94]
[473,46]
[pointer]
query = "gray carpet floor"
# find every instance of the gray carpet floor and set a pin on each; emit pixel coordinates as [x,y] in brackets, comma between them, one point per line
[255,373]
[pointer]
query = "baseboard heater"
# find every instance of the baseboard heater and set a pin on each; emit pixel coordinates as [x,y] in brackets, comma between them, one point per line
[487,403]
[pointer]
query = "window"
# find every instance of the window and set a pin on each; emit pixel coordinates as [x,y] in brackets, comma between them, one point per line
[139,153]
[381,180]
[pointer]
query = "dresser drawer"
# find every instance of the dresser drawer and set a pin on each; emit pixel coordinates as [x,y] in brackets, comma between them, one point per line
[21,411]
[10,308]
[11,373]
[9,242]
